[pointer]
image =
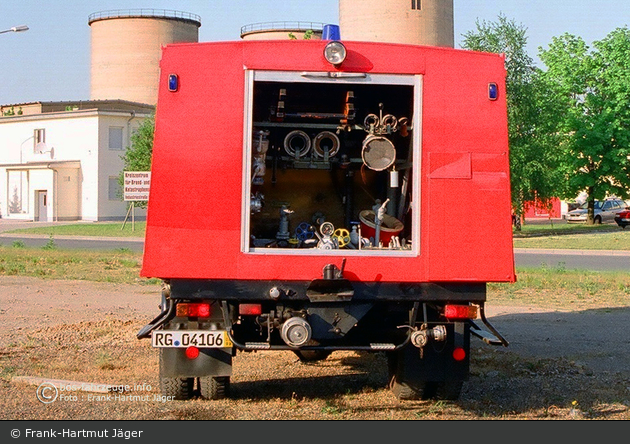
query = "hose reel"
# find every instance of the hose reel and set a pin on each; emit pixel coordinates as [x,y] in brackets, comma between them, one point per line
[326,141]
[297,144]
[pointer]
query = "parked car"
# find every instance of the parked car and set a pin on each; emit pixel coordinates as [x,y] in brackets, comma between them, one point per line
[605,211]
[623,218]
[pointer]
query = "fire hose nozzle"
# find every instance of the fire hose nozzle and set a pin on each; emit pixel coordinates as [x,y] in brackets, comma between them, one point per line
[420,338]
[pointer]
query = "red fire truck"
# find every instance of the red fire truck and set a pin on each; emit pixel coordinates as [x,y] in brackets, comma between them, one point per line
[314,196]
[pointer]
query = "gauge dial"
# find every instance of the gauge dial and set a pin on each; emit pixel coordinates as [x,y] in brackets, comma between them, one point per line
[327,229]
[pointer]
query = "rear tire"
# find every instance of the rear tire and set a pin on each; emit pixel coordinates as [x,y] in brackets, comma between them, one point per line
[404,392]
[438,390]
[214,387]
[175,388]
[401,389]
[448,390]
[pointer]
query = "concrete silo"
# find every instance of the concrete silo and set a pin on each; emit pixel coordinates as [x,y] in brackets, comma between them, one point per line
[420,22]
[126,50]
[282,30]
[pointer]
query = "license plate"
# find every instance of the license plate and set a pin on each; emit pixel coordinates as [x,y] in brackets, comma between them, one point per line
[188,338]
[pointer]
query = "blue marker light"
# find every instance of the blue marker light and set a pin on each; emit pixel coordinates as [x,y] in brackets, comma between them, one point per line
[493,91]
[173,82]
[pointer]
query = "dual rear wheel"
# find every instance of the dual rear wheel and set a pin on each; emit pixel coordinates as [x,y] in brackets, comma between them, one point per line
[207,387]
[407,388]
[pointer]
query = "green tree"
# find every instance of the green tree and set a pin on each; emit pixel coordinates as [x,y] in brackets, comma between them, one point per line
[15,205]
[137,157]
[592,85]
[308,35]
[534,157]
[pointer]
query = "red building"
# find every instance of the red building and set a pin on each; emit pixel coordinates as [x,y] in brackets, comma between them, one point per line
[543,210]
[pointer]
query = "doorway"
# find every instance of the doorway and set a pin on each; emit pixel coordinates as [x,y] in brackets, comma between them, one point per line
[42,206]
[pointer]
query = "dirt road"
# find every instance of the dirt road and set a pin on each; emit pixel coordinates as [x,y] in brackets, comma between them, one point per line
[79,330]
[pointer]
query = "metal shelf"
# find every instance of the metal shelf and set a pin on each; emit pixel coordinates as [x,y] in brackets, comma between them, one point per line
[327,126]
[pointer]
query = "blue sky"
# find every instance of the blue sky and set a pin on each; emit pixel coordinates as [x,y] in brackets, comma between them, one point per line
[51,61]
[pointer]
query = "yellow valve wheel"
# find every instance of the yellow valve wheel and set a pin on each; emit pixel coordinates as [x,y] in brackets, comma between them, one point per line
[343,237]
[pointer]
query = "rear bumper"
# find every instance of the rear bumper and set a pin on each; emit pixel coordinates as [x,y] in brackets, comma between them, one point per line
[243,291]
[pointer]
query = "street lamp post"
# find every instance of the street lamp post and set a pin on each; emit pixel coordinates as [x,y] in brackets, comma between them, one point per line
[20,28]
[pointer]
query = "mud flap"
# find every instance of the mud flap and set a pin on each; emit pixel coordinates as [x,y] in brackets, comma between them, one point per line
[210,362]
[436,362]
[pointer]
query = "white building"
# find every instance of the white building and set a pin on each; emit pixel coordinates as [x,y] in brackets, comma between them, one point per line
[60,161]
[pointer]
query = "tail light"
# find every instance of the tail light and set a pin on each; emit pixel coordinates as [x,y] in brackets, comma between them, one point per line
[199,310]
[460,311]
[250,309]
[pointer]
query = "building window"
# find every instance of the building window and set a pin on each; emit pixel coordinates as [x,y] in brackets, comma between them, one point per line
[115,190]
[39,136]
[416,4]
[116,138]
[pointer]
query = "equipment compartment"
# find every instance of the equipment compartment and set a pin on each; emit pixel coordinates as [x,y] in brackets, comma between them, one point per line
[331,164]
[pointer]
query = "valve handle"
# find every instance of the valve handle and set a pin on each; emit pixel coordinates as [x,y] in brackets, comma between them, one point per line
[304,231]
[343,237]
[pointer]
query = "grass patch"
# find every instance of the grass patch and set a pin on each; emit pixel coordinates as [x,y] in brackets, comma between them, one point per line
[543,286]
[50,245]
[545,236]
[563,227]
[97,229]
[7,372]
[558,287]
[618,240]
[116,266]
[332,407]
[104,360]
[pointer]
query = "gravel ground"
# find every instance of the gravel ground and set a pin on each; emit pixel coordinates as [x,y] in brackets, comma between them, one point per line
[559,365]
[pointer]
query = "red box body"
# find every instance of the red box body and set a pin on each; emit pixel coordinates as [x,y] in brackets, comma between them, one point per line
[194,223]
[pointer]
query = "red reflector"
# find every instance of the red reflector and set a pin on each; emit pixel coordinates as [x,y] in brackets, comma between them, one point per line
[192,352]
[459,354]
[250,309]
[460,311]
